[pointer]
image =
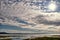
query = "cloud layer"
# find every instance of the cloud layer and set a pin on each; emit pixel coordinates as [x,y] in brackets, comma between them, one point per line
[47,20]
[21,15]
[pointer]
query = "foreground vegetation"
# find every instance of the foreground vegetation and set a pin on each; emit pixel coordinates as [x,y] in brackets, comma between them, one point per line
[44,38]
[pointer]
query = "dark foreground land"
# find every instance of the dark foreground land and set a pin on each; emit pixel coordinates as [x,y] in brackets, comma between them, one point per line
[44,38]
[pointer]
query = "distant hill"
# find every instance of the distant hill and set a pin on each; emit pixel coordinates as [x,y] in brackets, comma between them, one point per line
[3,33]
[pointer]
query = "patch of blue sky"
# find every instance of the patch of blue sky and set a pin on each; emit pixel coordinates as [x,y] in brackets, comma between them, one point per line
[44,5]
[10,27]
[6,2]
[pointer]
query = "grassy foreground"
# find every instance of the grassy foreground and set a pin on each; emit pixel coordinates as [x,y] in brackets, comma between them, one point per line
[44,38]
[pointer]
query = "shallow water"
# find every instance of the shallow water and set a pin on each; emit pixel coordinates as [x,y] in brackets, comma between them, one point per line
[11,38]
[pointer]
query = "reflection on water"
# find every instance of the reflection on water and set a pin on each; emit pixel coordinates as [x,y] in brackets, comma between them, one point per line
[5,39]
[10,38]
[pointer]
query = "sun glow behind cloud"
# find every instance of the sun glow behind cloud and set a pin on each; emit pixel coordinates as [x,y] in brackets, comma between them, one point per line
[52,6]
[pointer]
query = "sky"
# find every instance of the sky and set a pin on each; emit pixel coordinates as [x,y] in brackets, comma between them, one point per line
[30,16]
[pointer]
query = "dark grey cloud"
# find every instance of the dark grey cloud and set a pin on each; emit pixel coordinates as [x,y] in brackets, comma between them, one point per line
[40,19]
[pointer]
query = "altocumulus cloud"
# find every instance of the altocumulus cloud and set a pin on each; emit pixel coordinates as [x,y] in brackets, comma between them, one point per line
[22,17]
[42,19]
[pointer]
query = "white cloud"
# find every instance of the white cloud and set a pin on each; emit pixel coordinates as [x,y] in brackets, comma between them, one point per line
[43,22]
